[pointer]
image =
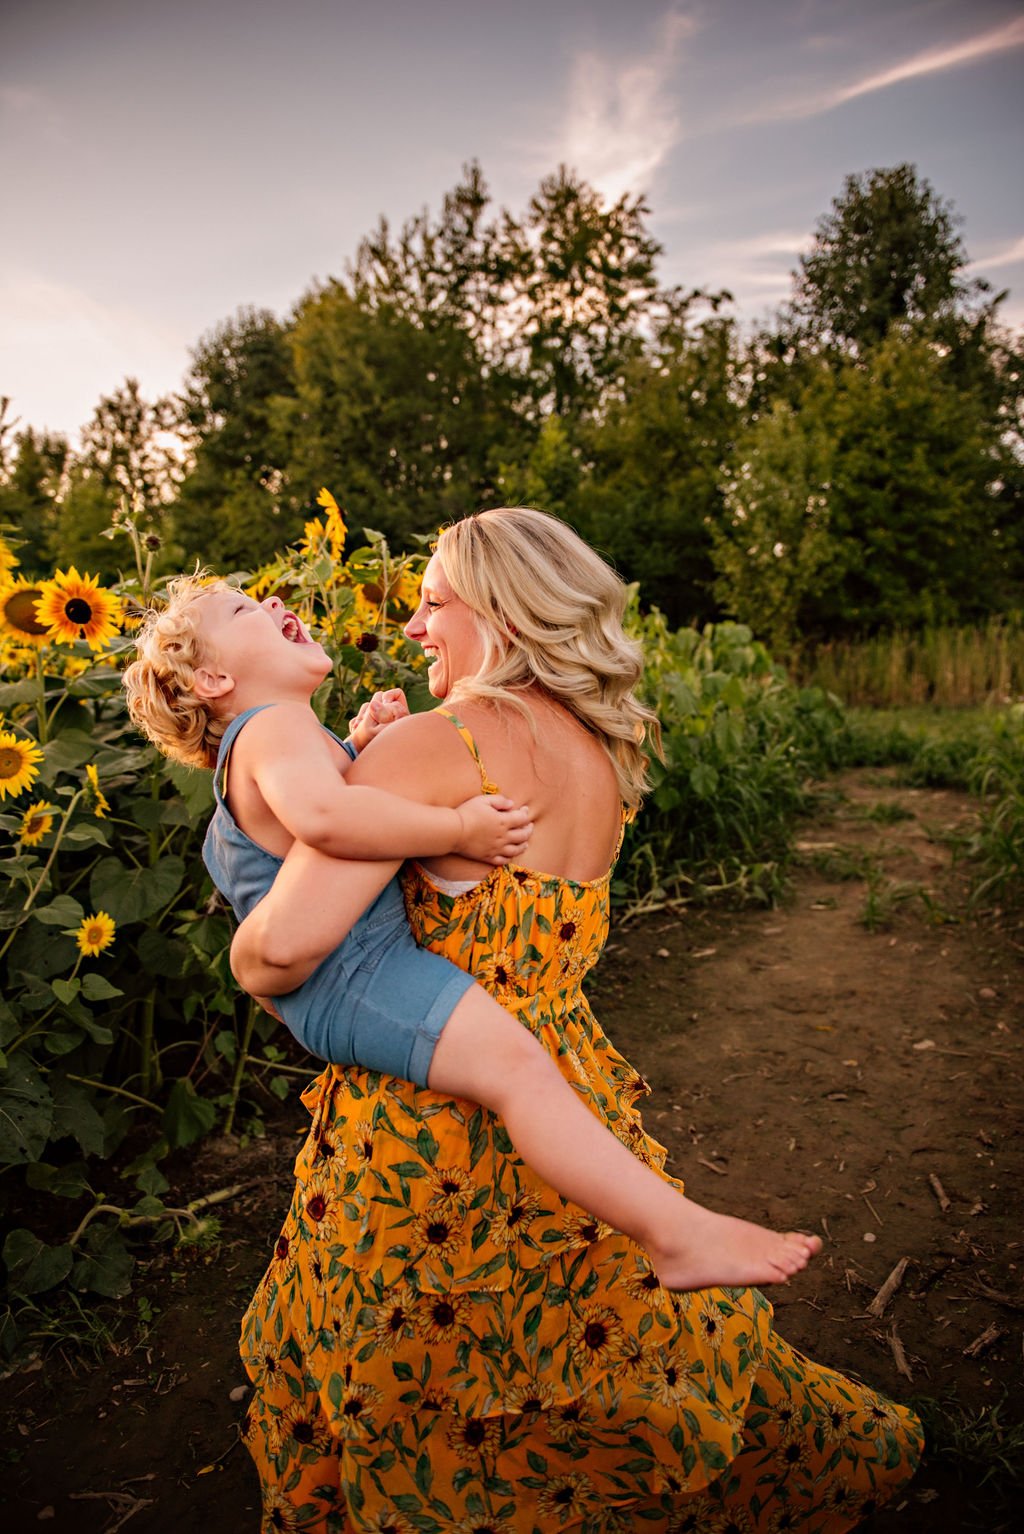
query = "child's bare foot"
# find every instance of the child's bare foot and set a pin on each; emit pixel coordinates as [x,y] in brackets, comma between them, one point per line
[710,1250]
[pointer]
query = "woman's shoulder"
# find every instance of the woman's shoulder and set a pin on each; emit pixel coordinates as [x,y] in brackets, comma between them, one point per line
[426,746]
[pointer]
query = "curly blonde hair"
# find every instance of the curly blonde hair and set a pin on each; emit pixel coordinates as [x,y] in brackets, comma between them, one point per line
[549,612]
[159,684]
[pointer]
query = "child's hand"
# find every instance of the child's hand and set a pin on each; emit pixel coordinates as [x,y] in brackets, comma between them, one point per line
[494,829]
[383,709]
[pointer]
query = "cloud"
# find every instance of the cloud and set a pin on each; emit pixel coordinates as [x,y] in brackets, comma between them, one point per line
[1009,256]
[931,61]
[61,349]
[621,119]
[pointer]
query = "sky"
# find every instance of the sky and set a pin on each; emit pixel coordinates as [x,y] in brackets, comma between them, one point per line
[167,163]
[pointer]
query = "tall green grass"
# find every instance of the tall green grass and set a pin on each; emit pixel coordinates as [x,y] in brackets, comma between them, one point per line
[951,667]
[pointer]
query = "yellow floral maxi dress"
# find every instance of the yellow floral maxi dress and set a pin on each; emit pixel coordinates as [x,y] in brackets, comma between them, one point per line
[441,1343]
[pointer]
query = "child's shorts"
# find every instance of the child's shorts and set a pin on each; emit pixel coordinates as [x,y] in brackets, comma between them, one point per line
[378,1000]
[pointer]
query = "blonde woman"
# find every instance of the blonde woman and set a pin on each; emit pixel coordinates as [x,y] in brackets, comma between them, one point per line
[441,1342]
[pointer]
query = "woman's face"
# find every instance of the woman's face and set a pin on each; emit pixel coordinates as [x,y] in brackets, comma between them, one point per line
[446,630]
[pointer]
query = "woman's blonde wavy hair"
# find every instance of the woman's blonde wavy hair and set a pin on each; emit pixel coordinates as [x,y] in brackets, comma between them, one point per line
[549,612]
[159,684]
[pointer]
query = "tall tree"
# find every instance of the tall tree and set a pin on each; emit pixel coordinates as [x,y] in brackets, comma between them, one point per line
[655,457]
[580,280]
[887,253]
[230,511]
[129,457]
[29,497]
[403,422]
[872,502]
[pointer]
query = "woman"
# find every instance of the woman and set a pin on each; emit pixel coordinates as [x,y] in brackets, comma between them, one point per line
[440,1343]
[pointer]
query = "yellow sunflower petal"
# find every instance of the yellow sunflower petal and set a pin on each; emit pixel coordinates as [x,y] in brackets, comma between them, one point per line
[77,607]
[95,934]
[18,619]
[36,822]
[18,759]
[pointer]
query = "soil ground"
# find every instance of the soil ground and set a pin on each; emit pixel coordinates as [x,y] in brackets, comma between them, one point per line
[806,1071]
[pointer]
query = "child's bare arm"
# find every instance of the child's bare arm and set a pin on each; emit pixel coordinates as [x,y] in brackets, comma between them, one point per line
[381,710]
[312,905]
[289,760]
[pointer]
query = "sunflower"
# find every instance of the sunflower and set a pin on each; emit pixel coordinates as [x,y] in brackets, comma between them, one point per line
[563,1495]
[18,759]
[438,1232]
[95,934]
[18,619]
[320,1205]
[95,793]
[8,559]
[529,1398]
[76,606]
[596,1334]
[406,590]
[508,1224]
[472,1436]
[352,1418]
[449,1186]
[305,1428]
[441,1317]
[712,1323]
[336,529]
[569,1420]
[392,1318]
[36,823]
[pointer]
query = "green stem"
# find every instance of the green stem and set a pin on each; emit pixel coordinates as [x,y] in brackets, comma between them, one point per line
[41,722]
[104,1086]
[240,1064]
[34,891]
[147,1072]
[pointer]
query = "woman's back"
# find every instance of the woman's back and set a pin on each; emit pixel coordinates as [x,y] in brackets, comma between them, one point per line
[562,772]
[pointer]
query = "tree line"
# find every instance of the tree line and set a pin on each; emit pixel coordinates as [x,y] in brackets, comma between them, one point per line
[853,465]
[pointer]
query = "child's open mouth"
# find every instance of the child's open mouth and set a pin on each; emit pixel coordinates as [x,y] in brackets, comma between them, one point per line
[294,630]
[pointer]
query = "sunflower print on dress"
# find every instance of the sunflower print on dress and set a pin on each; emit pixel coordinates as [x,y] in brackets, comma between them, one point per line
[483,1354]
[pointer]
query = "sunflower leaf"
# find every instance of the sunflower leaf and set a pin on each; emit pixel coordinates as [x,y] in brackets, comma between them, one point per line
[133,894]
[26,1113]
[64,912]
[32,1266]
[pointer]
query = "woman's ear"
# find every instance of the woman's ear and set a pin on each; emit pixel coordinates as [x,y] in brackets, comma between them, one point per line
[209,684]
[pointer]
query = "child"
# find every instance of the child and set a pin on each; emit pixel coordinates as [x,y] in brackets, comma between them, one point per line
[225,681]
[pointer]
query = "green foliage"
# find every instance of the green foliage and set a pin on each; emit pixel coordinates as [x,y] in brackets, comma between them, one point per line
[741,745]
[229,511]
[945,666]
[868,502]
[886,254]
[998,843]
[147,1036]
[28,497]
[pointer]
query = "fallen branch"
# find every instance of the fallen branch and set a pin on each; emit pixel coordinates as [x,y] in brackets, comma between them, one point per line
[888,1289]
[940,1192]
[722,1172]
[981,1344]
[898,1354]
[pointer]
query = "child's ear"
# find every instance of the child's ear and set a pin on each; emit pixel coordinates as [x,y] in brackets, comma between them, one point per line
[209,684]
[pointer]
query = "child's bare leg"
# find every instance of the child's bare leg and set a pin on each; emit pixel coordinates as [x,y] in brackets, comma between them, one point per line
[484,1055]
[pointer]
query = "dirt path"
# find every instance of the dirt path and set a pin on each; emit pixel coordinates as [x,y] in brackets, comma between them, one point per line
[805,1070]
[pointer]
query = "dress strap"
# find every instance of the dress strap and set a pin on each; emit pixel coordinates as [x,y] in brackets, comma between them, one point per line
[487,784]
[227,740]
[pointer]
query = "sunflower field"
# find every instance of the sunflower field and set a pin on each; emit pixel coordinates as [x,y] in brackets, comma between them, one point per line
[123,1037]
[122,1033]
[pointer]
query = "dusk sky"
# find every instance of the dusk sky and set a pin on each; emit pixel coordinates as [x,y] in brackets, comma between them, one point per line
[166,163]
